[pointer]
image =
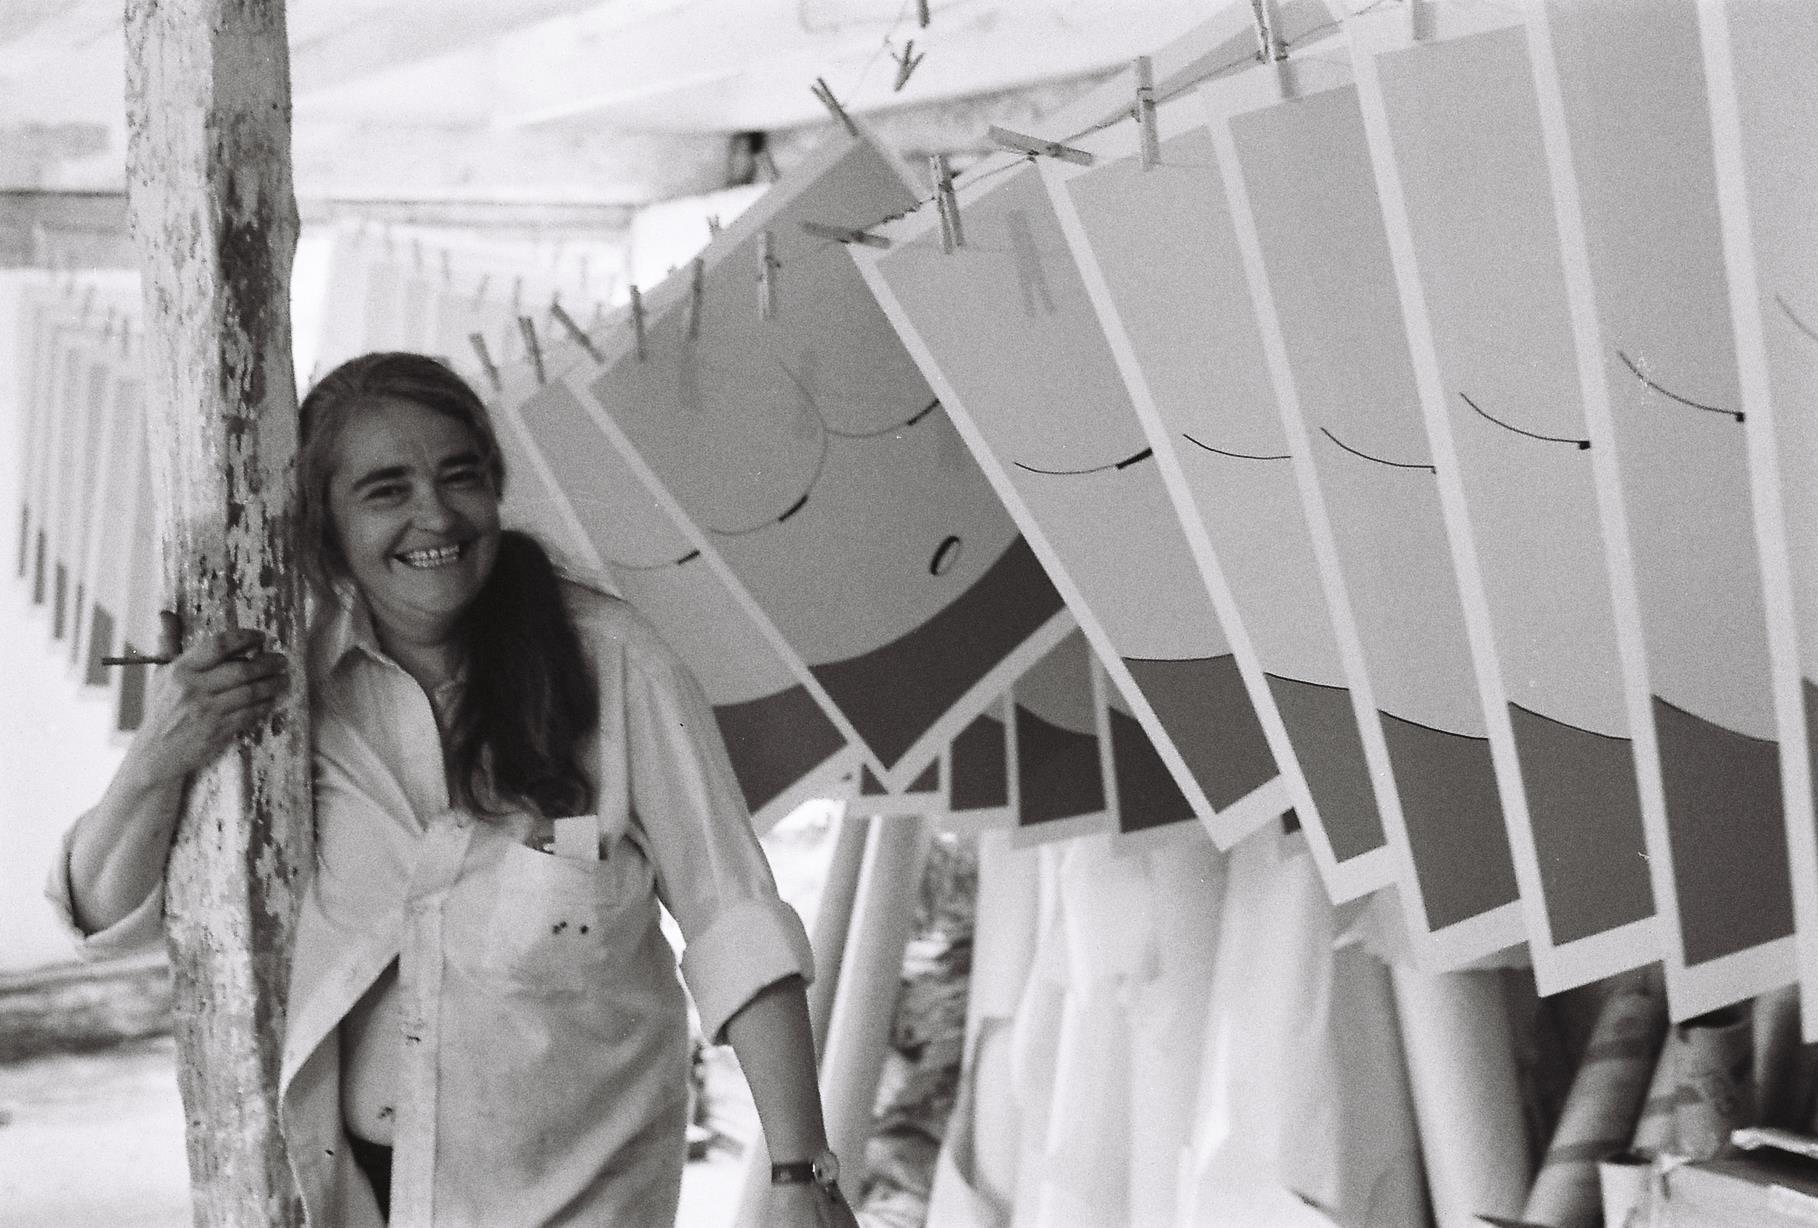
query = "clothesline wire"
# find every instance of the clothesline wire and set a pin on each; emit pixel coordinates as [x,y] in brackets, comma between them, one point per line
[974,177]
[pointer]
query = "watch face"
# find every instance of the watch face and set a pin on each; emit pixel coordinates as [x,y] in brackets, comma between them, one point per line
[826,1168]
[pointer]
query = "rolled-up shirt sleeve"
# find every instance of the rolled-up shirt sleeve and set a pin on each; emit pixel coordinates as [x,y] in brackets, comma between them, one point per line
[740,936]
[139,930]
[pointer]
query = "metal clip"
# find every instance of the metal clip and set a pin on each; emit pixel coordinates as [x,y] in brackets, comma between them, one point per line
[528,328]
[906,61]
[697,296]
[844,234]
[947,203]
[637,322]
[486,363]
[1147,128]
[821,91]
[1011,139]
[575,332]
[768,265]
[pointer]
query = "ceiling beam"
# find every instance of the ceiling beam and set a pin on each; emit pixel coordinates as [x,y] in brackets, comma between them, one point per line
[346,41]
[573,164]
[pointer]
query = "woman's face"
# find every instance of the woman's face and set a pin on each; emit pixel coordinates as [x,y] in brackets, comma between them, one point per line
[416,515]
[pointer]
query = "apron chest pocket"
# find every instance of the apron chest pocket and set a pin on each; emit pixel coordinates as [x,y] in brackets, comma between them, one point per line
[560,924]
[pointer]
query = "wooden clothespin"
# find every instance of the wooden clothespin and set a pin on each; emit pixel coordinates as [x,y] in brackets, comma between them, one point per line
[416,253]
[767,164]
[713,226]
[517,292]
[1265,36]
[486,363]
[575,332]
[1270,49]
[528,327]
[921,13]
[947,203]
[825,94]
[637,322]
[768,265]
[697,296]
[447,268]
[479,290]
[1417,21]
[1011,139]
[1146,127]
[846,234]
[906,60]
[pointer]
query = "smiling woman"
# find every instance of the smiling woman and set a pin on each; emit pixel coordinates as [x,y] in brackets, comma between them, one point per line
[400,476]
[484,1023]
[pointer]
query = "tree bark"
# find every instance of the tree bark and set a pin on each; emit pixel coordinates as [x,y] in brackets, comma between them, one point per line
[214,220]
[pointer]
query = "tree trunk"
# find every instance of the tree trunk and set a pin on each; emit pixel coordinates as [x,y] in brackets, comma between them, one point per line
[214,220]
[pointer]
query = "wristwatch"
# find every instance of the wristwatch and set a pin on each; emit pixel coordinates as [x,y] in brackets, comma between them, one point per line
[823,1170]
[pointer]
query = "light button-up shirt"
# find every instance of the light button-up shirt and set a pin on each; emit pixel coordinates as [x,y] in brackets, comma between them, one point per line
[542,1076]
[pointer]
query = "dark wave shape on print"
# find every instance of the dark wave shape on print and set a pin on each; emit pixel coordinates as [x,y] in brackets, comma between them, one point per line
[1322,728]
[1449,802]
[1725,822]
[131,709]
[894,694]
[1203,705]
[75,621]
[1147,796]
[1057,771]
[979,769]
[38,570]
[928,781]
[774,741]
[1584,807]
[100,639]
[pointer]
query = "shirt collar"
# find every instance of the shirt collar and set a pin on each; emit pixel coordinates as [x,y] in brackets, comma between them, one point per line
[345,625]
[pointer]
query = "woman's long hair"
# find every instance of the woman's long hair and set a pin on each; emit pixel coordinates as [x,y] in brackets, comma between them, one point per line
[529,699]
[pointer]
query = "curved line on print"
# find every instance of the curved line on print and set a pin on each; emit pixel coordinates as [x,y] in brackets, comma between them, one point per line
[979,770]
[1057,771]
[894,694]
[775,741]
[1322,728]
[1453,813]
[1423,466]
[1147,796]
[1724,818]
[1585,810]
[1639,369]
[1202,703]
[1132,459]
[1249,456]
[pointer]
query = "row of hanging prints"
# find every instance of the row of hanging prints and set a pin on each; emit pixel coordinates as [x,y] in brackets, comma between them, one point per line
[1403,440]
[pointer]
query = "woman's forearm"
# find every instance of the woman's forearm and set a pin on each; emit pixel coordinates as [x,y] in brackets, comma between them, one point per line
[775,1047]
[220,687]
[120,847]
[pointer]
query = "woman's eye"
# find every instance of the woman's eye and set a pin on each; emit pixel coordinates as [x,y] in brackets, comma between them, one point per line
[462,477]
[387,492]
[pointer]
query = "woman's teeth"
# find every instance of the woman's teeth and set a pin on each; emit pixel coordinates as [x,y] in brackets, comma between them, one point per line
[437,556]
